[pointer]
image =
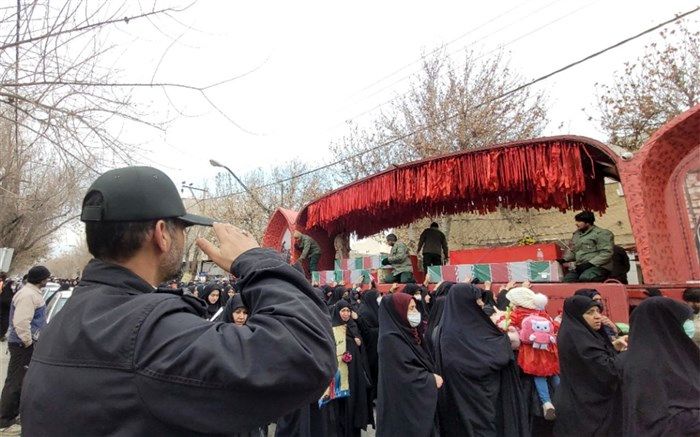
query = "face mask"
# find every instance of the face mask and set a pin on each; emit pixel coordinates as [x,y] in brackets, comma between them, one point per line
[379,300]
[418,297]
[689,328]
[414,319]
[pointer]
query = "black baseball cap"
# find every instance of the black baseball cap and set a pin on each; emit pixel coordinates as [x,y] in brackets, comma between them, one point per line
[133,194]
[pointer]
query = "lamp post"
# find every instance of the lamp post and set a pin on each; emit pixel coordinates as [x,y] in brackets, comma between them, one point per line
[252,195]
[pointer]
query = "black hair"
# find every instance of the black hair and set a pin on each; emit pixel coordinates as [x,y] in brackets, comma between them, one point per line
[585,216]
[117,241]
[391,237]
[434,225]
[691,295]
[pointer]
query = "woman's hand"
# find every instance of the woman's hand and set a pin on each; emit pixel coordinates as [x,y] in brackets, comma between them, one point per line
[354,315]
[358,342]
[621,343]
[438,380]
[606,321]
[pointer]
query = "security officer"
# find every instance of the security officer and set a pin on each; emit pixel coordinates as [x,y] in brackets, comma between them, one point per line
[590,258]
[400,260]
[126,359]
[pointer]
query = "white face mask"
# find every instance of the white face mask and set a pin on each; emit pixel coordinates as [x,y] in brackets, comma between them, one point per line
[379,300]
[414,319]
[418,297]
[689,328]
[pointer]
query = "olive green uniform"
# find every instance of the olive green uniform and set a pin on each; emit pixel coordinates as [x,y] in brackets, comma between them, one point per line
[594,246]
[401,262]
[310,250]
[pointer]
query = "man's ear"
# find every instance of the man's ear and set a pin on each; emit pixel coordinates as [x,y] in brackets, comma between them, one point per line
[161,237]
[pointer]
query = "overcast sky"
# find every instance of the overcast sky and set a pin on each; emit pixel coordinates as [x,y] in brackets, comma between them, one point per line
[319,64]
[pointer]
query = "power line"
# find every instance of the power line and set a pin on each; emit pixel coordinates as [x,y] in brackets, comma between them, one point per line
[505,94]
[381,79]
[518,38]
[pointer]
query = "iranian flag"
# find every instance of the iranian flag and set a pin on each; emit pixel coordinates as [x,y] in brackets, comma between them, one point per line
[323,277]
[534,271]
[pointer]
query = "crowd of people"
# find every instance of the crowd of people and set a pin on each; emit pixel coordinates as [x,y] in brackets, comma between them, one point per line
[459,361]
[134,352]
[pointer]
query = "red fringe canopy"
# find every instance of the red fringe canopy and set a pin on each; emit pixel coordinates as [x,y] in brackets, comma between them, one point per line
[540,174]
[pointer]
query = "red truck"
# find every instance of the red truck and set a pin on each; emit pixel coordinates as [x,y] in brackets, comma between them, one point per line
[661,182]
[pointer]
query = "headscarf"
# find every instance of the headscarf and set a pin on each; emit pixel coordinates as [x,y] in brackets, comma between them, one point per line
[335,318]
[407,395]
[469,340]
[444,288]
[592,292]
[393,321]
[212,308]
[400,303]
[412,290]
[437,306]
[338,293]
[479,368]
[327,293]
[661,370]
[588,397]
[232,305]
[588,292]
[224,294]
[369,309]
[577,328]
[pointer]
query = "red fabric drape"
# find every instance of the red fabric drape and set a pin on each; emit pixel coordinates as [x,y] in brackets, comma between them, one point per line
[557,174]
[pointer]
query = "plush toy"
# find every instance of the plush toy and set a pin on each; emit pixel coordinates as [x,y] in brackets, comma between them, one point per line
[538,331]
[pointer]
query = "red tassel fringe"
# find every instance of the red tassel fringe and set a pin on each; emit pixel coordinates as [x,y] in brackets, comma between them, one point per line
[558,174]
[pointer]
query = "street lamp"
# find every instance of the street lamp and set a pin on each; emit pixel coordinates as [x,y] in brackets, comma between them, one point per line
[252,195]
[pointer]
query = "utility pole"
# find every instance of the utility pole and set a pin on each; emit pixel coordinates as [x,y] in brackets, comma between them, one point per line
[252,195]
[193,265]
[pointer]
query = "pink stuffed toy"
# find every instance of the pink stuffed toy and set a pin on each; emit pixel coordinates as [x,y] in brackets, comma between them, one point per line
[538,331]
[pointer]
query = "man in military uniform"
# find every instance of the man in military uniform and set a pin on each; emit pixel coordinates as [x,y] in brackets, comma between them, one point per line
[399,260]
[309,250]
[590,256]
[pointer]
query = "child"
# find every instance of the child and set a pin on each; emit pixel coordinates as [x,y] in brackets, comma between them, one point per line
[538,355]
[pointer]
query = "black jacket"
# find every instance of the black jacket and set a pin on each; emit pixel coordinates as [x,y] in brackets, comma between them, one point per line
[121,360]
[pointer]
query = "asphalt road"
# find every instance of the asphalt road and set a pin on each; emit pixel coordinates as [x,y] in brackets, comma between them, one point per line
[5,358]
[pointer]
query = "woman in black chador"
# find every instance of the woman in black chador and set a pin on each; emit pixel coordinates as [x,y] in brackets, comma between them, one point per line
[437,307]
[408,385]
[348,394]
[661,372]
[368,322]
[588,397]
[481,395]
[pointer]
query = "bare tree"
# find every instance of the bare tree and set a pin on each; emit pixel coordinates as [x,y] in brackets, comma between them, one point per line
[64,108]
[70,263]
[293,193]
[449,107]
[651,90]
[39,203]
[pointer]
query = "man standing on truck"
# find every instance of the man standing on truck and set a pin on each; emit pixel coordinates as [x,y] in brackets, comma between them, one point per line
[400,260]
[309,250]
[434,244]
[590,256]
